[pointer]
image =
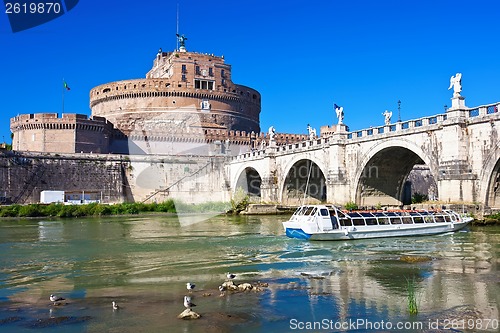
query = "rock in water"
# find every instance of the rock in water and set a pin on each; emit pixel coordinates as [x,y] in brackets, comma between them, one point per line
[188,314]
[245,287]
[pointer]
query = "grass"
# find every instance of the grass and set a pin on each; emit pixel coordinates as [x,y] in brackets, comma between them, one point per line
[97,209]
[412,296]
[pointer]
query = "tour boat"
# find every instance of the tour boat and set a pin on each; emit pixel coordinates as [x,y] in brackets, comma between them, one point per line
[327,222]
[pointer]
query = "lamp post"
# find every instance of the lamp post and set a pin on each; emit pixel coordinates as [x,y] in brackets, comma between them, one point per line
[399,111]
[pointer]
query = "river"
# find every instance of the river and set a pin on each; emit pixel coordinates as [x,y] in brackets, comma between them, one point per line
[144,262]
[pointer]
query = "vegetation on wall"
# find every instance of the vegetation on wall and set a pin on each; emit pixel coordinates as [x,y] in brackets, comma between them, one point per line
[97,209]
[418,198]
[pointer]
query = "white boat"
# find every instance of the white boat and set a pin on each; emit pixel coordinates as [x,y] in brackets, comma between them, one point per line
[327,222]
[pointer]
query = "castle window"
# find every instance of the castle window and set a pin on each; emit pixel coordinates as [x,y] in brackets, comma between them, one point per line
[222,73]
[210,71]
[204,84]
[198,70]
[184,68]
[223,82]
[183,76]
[106,90]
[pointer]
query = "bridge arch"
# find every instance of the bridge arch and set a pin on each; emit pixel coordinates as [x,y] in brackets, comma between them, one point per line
[381,175]
[303,175]
[249,179]
[490,179]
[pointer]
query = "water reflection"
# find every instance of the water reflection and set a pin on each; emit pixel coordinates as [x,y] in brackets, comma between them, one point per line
[143,263]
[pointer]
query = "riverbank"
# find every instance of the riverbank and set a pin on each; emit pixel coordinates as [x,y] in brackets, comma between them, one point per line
[97,209]
[175,207]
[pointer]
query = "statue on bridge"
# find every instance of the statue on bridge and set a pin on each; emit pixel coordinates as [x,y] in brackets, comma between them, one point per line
[456,83]
[271,132]
[339,110]
[312,132]
[387,117]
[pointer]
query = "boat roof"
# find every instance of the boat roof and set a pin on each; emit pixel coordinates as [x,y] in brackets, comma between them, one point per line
[378,212]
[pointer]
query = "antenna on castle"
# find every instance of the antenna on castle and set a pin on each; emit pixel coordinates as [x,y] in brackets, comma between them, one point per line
[177,29]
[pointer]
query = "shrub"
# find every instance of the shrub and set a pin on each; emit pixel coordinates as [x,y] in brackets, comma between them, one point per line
[30,211]
[52,209]
[351,205]
[418,198]
[10,211]
[101,210]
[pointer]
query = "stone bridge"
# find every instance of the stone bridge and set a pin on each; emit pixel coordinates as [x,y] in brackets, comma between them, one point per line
[460,148]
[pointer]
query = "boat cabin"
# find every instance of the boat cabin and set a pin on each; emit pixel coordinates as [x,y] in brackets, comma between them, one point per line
[329,217]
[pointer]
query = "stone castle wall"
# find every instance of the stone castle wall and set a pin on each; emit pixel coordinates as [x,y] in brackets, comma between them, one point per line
[24,175]
[113,178]
[47,132]
[128,104]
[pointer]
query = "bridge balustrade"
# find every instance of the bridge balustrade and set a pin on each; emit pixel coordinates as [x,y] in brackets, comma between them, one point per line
[484,110]
[473,113]
[492,109]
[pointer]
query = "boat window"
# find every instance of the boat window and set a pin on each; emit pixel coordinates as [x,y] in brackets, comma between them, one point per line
[314,211]
[383,220]
[448,219]
[395,220]
[429,219]
[439,218]
[324,212]
[371,221]
[345,222]
[453,217]
[352,214]
[308,210]
[358,222]
[391,214]
[418,219]
[366,214]
[407,220]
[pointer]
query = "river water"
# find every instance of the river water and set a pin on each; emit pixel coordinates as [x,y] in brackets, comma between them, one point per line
[144,262]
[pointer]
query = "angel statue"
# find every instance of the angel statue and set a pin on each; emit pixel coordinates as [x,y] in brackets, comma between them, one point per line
[340,113]
[387,117]
[312,132]
[456,83]
[272,133]
[182,40]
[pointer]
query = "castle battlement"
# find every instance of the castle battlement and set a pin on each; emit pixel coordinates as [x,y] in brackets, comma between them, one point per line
[184,96]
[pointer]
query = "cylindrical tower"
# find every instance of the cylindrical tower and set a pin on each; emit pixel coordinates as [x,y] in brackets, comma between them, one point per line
[181,87]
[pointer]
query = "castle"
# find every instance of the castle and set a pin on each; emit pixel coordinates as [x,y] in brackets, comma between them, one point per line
[186,104]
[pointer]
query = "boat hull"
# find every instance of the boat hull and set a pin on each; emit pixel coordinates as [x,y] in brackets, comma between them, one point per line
[293,230]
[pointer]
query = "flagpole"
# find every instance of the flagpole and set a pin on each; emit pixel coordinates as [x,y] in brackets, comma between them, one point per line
[63,88]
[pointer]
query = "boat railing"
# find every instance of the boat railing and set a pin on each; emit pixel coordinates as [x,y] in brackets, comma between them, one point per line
[370,218]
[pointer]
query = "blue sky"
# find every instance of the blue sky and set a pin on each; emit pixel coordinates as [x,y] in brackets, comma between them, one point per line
[302,56]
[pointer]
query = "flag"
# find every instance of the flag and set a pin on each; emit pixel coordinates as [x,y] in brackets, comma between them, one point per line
[66,86]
